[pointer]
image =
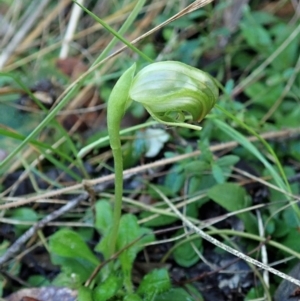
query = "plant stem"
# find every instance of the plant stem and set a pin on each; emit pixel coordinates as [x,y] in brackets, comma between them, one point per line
[116,107]
[118,161]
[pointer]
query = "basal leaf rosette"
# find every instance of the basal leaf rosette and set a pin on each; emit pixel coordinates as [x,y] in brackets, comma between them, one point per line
[171,91]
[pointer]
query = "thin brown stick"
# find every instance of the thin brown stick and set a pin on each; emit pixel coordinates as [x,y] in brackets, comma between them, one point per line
[102,264]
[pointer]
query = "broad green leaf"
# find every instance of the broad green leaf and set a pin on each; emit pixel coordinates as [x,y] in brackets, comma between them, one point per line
[218,173]
[175,179]
[38,281]
[68,280]
[291,219]
[275,195]
[68,243]
[264,17]
[255,34]
[156,282]
[294,149]
[77,270]
[129,231]
[292,240]
[192,209]
[233,197]
[291,119]
[256,292]
[229,195]
[229,160]
[264,95]
[107,289]
[160,220]
[287,58]
[196,167]
[132,297]
[200,183]
[104,245]
[251,148]
[176,294]
[25,215]
[104,216]
[184,254]
[281,228]
[85,294]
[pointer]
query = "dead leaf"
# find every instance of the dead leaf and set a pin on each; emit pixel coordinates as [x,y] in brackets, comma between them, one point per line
[50,293]
[71,66]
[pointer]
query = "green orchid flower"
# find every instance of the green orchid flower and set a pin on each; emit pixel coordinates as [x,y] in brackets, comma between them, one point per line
[171,92]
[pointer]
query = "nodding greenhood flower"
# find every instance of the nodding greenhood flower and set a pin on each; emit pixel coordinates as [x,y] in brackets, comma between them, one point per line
[171,90]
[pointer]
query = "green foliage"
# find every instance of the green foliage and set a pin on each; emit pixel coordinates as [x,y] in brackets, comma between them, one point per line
[233,197]
[156,282]
[108,288]
[128,232]
[69,244]
[261,93]
[23,215]
[175,294]
[85,294]
[185,254]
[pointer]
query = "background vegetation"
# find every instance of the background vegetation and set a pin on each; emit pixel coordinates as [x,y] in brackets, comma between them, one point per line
[237,179]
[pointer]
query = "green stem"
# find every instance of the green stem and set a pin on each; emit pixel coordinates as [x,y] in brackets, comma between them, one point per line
[118,162]
[116,108]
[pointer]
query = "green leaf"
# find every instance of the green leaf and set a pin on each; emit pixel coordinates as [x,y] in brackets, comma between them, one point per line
[175,294]
[156,282]
[232,197]
[161,220]
[218,173]
[85,294]
[291,219]
[228,195]
[256,35]
[264,95]
[69,244]
[25,215]
[68,279]
[289,55]
[175,179]
[104,245]
[229,160]
[129,231]
[256,292]
[104,216]
[184,254]
[292,240]
[275,195]
[196,167]
[132,297]
[37,281]
[251,148]
[281,228]
[107,289]
[199,183]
